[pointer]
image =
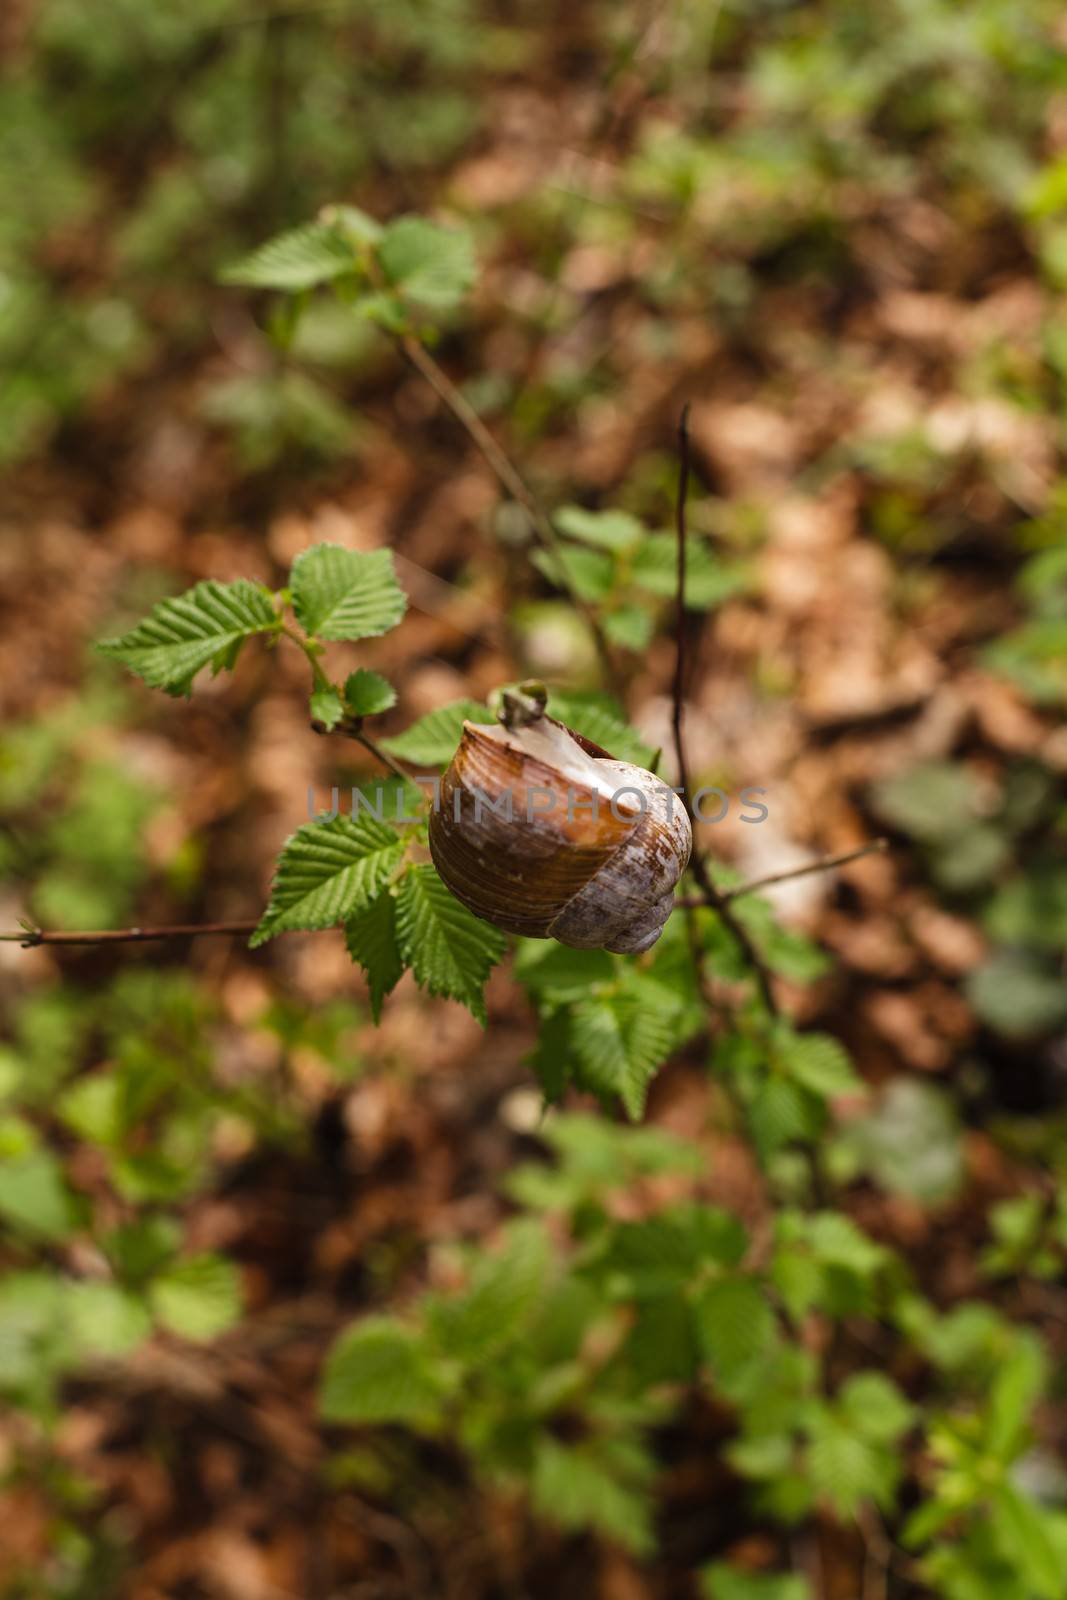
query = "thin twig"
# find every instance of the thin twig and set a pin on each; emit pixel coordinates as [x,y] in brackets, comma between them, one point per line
[824,864]
[516,486]
[30,938]
[709,894]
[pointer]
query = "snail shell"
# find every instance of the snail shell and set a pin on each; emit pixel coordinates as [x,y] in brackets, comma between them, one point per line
[540,837]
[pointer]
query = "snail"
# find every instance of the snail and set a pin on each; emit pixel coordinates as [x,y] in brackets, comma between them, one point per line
[543,833]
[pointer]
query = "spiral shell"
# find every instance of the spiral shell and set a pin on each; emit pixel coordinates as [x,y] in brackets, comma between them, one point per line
[540,837]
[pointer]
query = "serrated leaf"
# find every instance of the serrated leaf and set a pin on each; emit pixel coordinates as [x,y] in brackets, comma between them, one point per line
[844,1468]
[346,594]
[450,951]
[577,1490]
[299,259]
[368,693]
[818,1062]
[432,740]
[432,265]
[734,1324]
[599,718]
[326,706]
[619,1043]
[197,1298]
[379,1371]
[506,1288]
[780,1113]
[327,871]
[181,636]
[370,935]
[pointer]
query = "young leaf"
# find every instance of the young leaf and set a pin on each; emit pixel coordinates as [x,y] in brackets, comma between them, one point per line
[346,594]
[734,1323]
[368,693]
[326,706]
[505,1289]
[708,580]
[450,951]
[432,740]
[600,719]
[370,935]
[327,871]
[619,1042]
[577,1490]
[379,1371]
[197,1298]
[203,627]
[605,530]
[429,264]
[300,259]
[819,1062]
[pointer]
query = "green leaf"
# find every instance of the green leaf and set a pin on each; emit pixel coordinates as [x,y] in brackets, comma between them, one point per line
[600,719]
[780,1113]
[1021,1529]
[370,935]
[619,1042]
[818,1062]
[346,594]
[379,1371]
[450,951]
[299,259]
[930,801]
[605,530]
[722,1582]
[875,1407]
[1016,996]
[432,265]
[327,871]
[910,1143]
[368,693]
[197,1298]
[630,626]
[844,1468]
[432,740]
[326,706]
[590,573]
[356,225]
[34,1197]
[577,1490]
[735,1324]
[200,628]
[105,1319]
[505,1290]
[708,580]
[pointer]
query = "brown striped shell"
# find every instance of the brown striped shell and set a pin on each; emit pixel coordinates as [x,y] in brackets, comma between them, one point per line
[536,835]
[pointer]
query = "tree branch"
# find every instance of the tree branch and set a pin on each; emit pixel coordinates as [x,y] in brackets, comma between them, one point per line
[709,894]
[517,487]
[824,864]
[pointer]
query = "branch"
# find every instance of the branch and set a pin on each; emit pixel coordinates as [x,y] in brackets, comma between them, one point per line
[709,894]
[824,864]
[29,938]
[516,486]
